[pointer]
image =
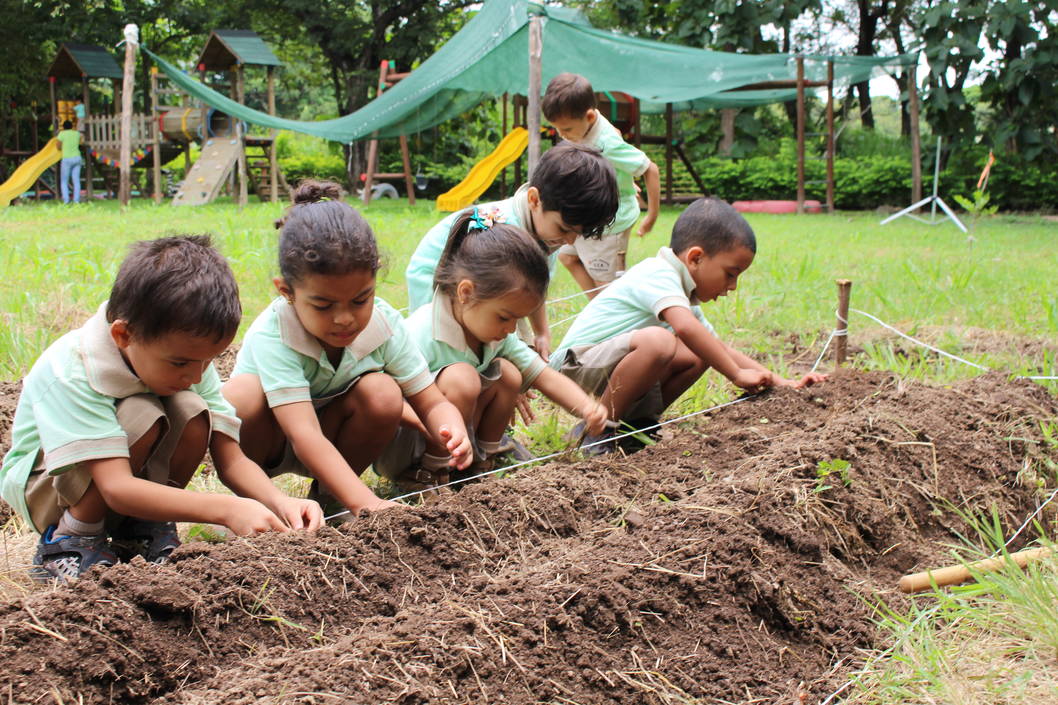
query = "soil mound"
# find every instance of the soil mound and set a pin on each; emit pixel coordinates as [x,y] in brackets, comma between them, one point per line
[734,561]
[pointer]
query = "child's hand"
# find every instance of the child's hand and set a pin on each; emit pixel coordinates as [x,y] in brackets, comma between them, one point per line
[809,379]
[753,380]
[378,505]
[300,513]
[646,225]
[248,517]
[542,345]
[525,409]
[595,418]
[458,444]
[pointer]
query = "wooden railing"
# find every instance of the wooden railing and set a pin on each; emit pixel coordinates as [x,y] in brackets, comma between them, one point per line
[103,132]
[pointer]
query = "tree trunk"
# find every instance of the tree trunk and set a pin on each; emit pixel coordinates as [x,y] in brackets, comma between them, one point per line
[727,129]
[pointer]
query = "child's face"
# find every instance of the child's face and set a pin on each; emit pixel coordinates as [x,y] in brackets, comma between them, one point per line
[574,129]
[717,275]
[333,307]
[548,226]
[169,364]
[491,320]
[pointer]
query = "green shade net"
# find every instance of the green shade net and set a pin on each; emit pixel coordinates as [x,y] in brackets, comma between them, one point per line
[489,56]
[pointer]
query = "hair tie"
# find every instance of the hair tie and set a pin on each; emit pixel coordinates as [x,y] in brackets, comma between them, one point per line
[484,221]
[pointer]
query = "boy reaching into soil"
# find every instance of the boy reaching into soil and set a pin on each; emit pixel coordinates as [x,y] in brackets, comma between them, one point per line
[643,340]
[115,417]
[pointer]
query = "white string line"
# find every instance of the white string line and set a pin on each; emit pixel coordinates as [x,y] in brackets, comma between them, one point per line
[1029,520]
[551,456]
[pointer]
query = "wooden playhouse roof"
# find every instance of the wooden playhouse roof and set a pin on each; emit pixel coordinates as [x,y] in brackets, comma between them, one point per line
[84,61]
[227,47]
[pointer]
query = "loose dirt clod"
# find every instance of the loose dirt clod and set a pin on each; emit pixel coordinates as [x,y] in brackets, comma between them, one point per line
[735,560]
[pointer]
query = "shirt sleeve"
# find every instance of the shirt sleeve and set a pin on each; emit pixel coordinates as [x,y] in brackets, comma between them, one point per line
[528,362]
[403,360]
[75,423]
[623,156]
[279,368]
[423,263]
[221,413]
[660,291]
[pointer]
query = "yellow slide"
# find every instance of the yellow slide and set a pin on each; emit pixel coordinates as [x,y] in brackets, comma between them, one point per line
[29,171]
[485,172]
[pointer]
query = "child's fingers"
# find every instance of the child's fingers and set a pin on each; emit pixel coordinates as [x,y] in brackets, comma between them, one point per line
[444,432]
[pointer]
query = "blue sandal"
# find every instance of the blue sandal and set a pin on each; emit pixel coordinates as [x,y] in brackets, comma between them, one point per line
[154,540]
[64,558]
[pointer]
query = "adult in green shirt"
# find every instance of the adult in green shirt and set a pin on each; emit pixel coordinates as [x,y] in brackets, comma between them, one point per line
[70,166]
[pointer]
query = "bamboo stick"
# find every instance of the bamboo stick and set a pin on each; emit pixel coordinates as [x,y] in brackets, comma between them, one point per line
[955,574]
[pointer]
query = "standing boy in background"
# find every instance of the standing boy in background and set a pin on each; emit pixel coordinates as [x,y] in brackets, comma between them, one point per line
[569,105]
[644,341]
[70,166]
[115,417]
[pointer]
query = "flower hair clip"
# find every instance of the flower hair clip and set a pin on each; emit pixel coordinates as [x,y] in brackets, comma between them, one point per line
[484,220]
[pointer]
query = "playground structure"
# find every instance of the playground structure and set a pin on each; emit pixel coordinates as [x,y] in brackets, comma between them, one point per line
[387,76]
[173,123]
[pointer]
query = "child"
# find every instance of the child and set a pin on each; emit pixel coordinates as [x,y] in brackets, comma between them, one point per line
[644,341]
[490,275]
[571,193]
[320,380]
[115,417]
[70,166]
[569,105]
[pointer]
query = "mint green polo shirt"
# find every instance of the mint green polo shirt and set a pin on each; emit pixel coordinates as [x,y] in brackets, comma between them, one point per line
[67,408]
[442,341]
[632,302]
[628,161]
[293,365]
[423,263]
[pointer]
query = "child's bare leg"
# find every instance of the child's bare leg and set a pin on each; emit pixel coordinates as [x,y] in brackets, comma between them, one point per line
[260,436]
[91,508]
[647,362]
[496,404]
[364,420]
[189,451]
[579,272]
[684,371]
[461,385]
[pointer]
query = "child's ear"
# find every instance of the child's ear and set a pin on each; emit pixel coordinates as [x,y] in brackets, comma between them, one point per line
[465,291]
[591,115]
[693,255]
[533,196]
[283,288]
[119,332]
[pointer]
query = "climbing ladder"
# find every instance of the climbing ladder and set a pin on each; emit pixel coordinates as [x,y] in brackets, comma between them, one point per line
[209,174]
[257,166]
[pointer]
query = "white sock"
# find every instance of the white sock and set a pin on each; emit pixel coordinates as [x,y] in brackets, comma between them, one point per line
[70,525]
[435,462]
[490,448]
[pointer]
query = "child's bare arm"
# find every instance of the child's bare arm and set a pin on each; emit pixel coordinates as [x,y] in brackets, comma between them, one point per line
[653,182]
[542,331]
[246,478]
[748,362]
[567,394]
[129,495]
[302,429]
[443,423]
[712,350]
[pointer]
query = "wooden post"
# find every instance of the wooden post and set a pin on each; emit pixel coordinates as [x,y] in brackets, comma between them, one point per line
[800,134]
[372,146]
[54,131]
[916,143]
[408,179]
[955,574]
[668,153]
[273,163]
[503,172]
[203,124]
[536,53]
[841,337]
[831,146]
[155,137]
[86,142]
[518,122]
[132,39]
[240,98]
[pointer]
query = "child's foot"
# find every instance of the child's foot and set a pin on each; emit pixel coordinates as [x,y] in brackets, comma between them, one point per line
[418,479]
[154,540]
[509,444]
[646,432]
[602,444]
[65,558]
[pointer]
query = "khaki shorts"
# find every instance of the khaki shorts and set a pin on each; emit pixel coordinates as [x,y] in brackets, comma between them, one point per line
[48,496]
[408,446]
[604,257]
[591,367]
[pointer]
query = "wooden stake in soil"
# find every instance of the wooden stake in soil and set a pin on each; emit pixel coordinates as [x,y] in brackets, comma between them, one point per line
[841,338]
[955,574]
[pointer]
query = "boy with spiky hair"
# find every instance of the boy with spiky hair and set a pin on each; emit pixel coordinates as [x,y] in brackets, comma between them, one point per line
[569,105]
[115,417]
[644,341]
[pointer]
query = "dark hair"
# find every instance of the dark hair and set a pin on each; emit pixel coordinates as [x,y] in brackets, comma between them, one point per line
[567,95]
[66,124]
[498,259]
[321,234]
[176,284]
[580,183]
[712,225]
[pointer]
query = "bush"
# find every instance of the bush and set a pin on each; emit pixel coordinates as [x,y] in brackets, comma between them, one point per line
[317,166]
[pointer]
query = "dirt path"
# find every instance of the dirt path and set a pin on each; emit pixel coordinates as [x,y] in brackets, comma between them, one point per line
[716,565]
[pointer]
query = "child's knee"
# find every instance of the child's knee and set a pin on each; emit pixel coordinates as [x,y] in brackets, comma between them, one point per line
[655,341]
[460,383]
[378,396]
[510,379]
